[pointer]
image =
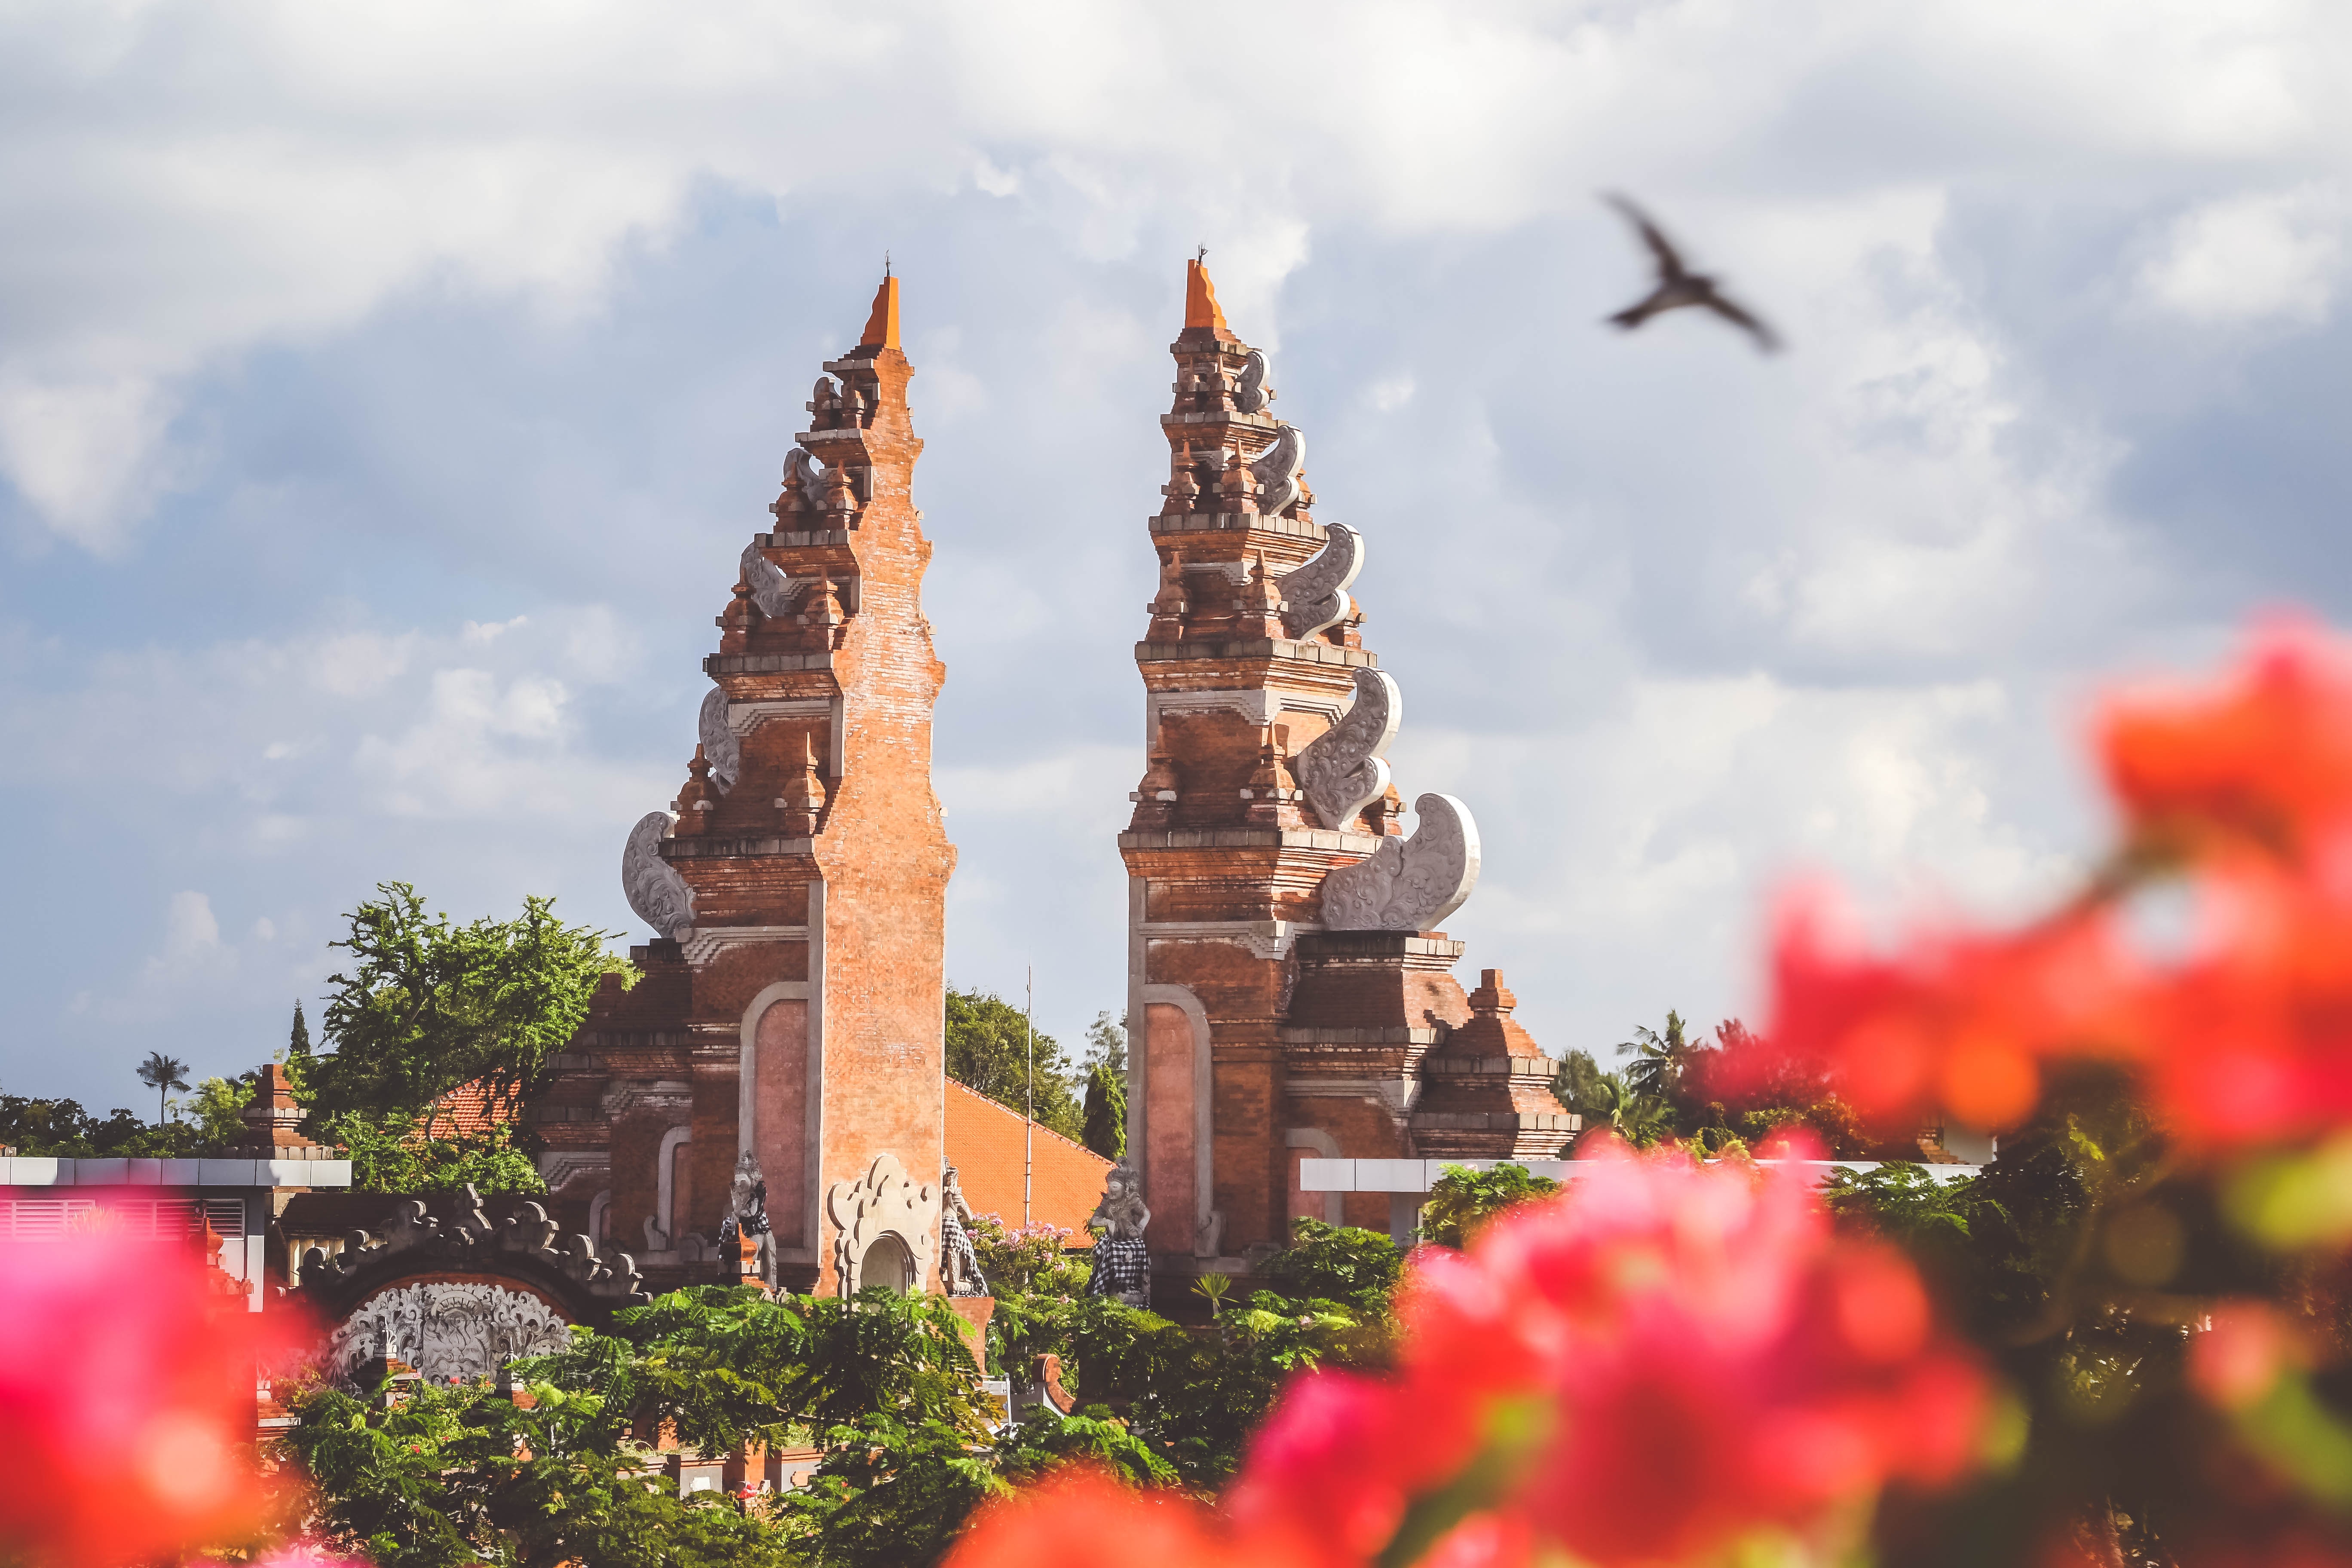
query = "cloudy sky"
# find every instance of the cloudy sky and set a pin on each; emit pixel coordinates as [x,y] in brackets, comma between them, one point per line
[386,393]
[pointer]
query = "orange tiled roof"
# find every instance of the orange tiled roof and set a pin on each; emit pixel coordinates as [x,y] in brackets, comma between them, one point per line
[984,1144]
[465,1111]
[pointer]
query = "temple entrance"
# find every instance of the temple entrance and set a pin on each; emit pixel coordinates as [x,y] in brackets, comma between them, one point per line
[888,1263]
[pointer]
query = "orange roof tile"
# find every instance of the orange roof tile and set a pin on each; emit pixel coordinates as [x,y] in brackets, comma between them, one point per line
[985,1143]
[465,1111]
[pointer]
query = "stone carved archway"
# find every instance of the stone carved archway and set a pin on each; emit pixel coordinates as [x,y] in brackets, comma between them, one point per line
[884,1202]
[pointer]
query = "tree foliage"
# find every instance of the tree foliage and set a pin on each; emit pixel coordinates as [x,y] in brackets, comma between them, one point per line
[991,1050]
[1461,1199]
[1105,1130]
[428,1005]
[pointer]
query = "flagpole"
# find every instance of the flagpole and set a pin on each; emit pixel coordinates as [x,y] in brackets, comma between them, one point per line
[1029,1126]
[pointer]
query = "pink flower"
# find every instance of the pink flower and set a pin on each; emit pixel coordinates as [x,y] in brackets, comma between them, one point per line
[126,1392]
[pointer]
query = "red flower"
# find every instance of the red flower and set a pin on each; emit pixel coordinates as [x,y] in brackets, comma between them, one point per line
[2264,755]
[125,1392]
[1957,1021]
[2253,1040]
[1080,1518]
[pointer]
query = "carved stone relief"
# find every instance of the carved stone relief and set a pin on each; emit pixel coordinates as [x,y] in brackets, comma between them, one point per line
[1409,884]
[652,885]
[1278,472]
[721,747]
[1315,594]
[447,1329]
[771,590]
[1253,394]
[884,1202]
[1341,770]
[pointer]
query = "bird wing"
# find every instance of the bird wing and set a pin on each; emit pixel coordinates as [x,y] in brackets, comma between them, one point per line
[1670,261]
[1765,337]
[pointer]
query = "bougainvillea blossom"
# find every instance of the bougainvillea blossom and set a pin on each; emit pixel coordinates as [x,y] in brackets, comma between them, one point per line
[2262,757]
[1958,1021]
[126,1403]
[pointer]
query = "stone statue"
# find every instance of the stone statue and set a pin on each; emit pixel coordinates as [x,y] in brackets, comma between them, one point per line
[1122,1264]
[1342,769]
[1315,596]
[747,1215]
[959,1264]
[1409,884]
[651,884]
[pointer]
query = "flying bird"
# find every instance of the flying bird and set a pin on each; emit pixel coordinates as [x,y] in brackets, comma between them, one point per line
[1678,286]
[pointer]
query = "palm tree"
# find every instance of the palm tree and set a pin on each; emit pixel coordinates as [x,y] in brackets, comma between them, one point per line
[162,1073]
[1633,1116]
[1661,1060]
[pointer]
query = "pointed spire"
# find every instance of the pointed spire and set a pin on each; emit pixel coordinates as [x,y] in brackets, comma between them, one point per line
[882,326]
[1201,314]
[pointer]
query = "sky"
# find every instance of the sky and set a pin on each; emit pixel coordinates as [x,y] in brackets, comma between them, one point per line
[386,395]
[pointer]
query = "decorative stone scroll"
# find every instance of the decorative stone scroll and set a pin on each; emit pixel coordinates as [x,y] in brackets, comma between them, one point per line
[1409,884]
[884,1202]
[447,1329]
[1278,472]
[804,483]
[1252,393]
[651,884]
[722,746]
[773,591]
[1315,596]
[1341,770]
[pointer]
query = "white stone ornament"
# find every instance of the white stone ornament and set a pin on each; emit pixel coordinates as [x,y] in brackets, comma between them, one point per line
[1315,596]
[1341,770]
[803,472]
[651,884]
[1409,884]
[1253,394]
[722,748]
[1278,472]
[773,591]
[884,1202]
[447,1329]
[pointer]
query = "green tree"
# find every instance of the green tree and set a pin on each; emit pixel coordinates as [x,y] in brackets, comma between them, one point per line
[1106,1043]
[1355,1267]
[1575,1083]
[1463,1199]
[429,1005]
[990,1050]
[1105,1112]
[1665,1061]
[162,1073]
[62,1129]
[219,1106]
[395,1151]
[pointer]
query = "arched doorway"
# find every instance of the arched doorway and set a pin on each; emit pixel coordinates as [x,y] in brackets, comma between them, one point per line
[888,1263]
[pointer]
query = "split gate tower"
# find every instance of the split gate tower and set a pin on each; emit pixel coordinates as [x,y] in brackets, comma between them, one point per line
[791,1007]
[1289,993]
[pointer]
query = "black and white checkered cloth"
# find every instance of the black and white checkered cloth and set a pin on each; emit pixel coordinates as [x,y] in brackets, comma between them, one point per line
[1120,1268]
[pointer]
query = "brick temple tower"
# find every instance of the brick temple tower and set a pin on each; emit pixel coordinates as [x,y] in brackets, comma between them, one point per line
[791,1005]
[1289,993]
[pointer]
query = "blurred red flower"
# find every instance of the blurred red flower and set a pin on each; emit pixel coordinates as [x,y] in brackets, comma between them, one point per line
[2262,756]
[126,1389]
[1960,1021]
[1656,1364]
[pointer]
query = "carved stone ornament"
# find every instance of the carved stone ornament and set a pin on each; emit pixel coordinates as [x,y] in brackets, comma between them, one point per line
[884,1202]
[651,884]
[747,1217]
[1278,472]
[960,1272]
[1409,884]
[1253,394]
[804,477]
[771,589]
[447,1329]
[1341,770]
[1315,594]
[1120,1209]
[720,744]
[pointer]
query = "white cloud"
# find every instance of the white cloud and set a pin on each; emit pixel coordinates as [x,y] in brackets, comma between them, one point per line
[2247,259]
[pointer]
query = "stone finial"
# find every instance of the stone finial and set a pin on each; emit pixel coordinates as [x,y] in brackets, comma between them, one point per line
[1156,793]
[824,404]
[1491,999]
[840,496]
[699,799]
[1261,602]
[1272,792]
[804,793]
[1182,490]
[882,326]
[853,405]
[1170,605]
[823,613]
[804,485]
[272,1117]
[1237,491]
